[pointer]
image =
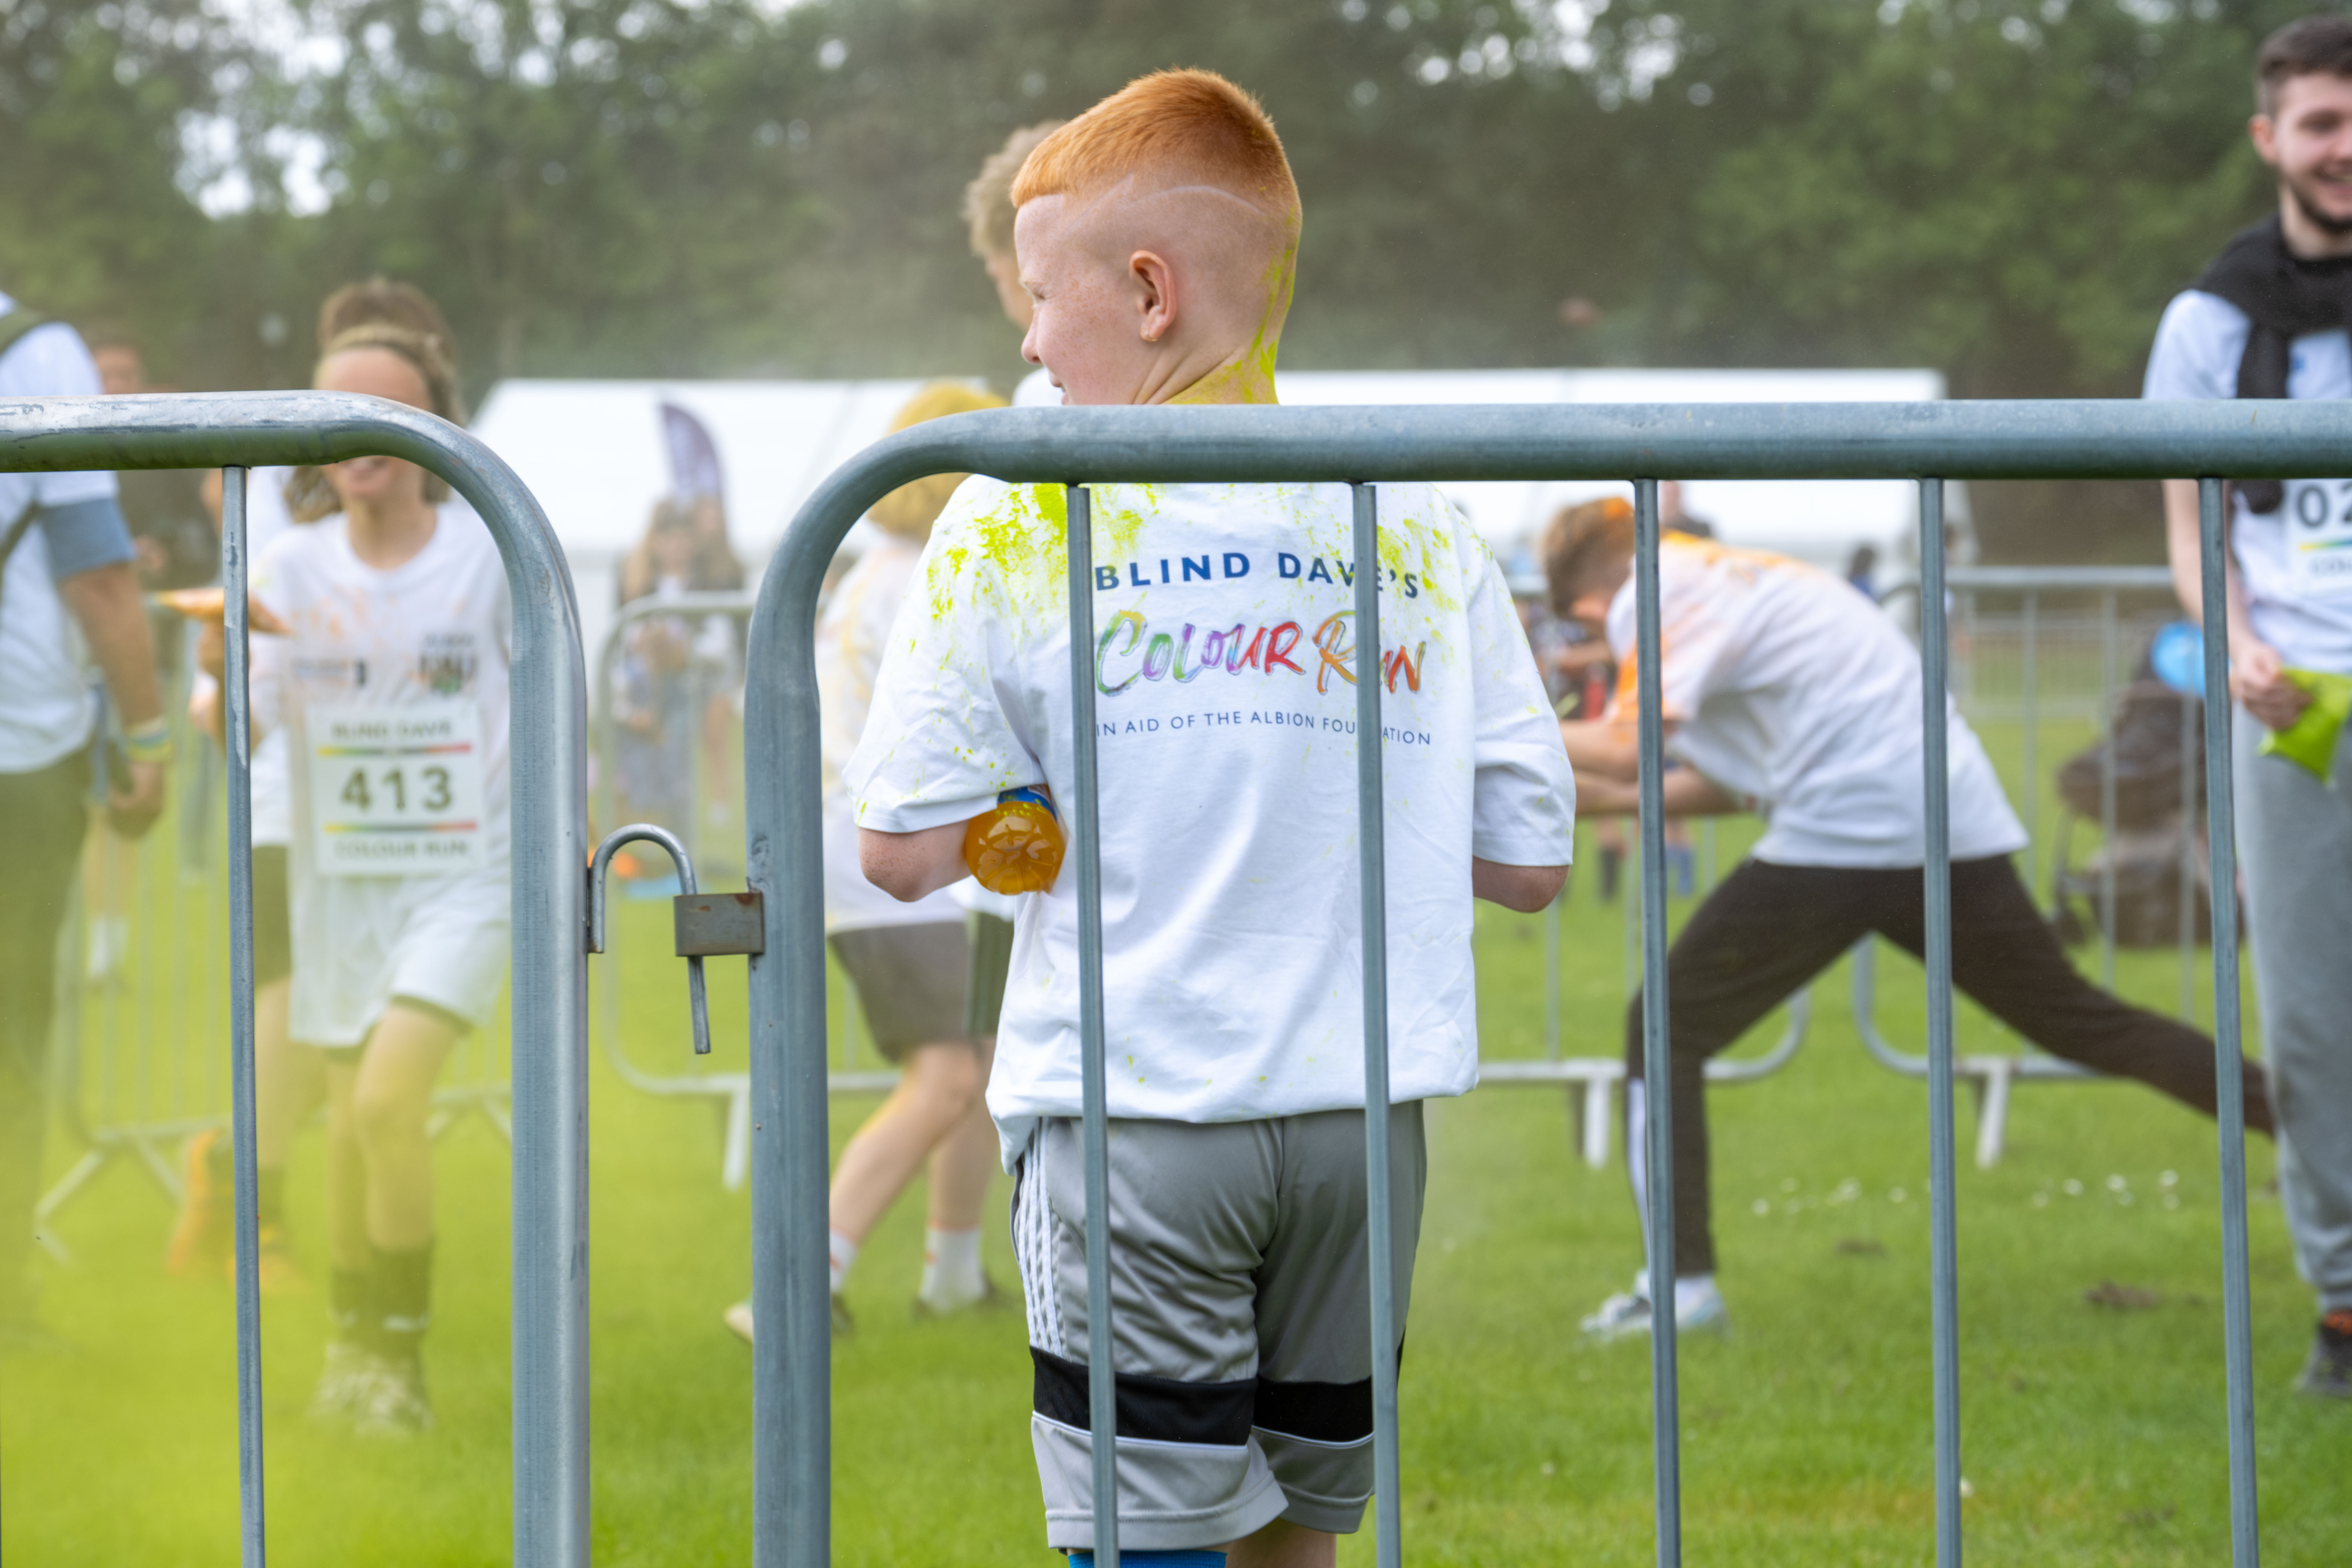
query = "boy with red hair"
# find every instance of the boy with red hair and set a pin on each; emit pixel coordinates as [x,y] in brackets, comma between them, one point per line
[1156,237]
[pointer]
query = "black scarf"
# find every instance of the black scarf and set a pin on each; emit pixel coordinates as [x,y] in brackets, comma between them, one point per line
[2283,297]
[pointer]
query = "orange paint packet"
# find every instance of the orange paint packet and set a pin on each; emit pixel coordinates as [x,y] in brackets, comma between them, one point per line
[211,604]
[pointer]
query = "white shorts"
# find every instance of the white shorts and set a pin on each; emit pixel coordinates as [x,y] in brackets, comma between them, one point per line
[359,941]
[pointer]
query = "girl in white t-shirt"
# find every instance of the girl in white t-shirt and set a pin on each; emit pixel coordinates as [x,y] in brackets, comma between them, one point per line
[290,1081]
[392,692]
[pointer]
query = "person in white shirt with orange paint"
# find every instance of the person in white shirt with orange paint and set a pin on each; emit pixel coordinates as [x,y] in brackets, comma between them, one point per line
[1789,693]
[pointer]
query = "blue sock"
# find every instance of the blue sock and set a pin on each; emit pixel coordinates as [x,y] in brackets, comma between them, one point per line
[1189,1559]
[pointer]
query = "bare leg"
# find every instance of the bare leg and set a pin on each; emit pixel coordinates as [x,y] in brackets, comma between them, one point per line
[290,1082]
[940,1085]
[963,1161]
[391,1102]
[109,863]
[109,869]
[347,1237]
[1283,1545]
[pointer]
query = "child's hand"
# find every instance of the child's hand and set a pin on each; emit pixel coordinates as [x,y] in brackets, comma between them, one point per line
[2258,679]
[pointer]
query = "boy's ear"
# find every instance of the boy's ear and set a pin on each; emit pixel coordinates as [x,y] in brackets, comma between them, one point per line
[1155,294]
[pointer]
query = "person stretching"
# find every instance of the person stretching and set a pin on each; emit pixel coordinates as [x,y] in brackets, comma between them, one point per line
[1788,693]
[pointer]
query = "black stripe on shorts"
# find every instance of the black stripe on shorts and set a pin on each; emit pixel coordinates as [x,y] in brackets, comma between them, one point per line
[1318,1412]
[1163,1408]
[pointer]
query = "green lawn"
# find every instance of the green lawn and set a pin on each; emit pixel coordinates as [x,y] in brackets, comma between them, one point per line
[2093,1434]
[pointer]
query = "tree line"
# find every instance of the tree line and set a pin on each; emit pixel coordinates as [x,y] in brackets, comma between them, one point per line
[2004,190]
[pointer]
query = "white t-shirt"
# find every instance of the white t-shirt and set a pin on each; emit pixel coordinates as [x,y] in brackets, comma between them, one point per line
[850,637]
[2295,564]
[1786,686]
[1036,390]
[432,634]
[46,706]
[1225,639]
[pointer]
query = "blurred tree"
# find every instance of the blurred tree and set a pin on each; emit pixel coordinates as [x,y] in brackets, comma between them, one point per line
[2006,190]
[94,102]
[2009,192]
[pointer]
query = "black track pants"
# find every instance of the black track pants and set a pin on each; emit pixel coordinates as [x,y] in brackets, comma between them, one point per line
[1769,928]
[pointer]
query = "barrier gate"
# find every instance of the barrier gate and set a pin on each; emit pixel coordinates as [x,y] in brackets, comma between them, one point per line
[548,721]
[1928,443]
[1362,446]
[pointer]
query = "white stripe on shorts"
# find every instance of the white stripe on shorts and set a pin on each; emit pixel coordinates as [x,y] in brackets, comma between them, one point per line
[1032,1247]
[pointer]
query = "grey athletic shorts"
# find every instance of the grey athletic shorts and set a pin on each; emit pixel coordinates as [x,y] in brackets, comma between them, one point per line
[1241,1320]
[991,962]
[910,982]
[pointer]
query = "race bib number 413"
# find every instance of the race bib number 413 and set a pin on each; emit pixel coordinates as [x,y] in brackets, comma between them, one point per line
[396,792]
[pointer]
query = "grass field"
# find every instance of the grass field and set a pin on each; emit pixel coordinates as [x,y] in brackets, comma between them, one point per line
[2092,1434]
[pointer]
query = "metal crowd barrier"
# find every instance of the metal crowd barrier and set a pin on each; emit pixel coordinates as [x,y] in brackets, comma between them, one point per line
[1592,1081]
[136,1058]
[2085,654]
[240,431]
[729,1092]
[1929,443]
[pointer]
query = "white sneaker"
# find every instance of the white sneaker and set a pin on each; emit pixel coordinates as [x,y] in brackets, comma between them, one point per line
[344,1383]
[1698,1307]
[397,1405]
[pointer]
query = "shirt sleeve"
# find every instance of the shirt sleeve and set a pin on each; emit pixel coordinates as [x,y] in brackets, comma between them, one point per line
[51,360]
[83,536]
[938,743]
[2198,345]
[1523,805]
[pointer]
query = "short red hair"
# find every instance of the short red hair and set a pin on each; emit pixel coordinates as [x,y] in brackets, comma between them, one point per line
[1191,123]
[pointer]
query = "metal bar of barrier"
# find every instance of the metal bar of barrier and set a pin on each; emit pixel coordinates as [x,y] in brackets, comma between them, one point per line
[1934,730]
[2107,791]
[1551,975]
[2028,677]
[734,605]
[1371,842]
[2059,579]
[2186,933]
[2053,439]
[252,1512]
[548,726]
[2229,1108]
[1085,844]
[1658,1049]
[2033,580]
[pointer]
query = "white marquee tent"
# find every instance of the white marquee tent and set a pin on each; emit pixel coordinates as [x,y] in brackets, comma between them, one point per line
[591,451]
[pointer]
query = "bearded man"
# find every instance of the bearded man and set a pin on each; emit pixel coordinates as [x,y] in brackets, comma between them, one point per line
[2269,318]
